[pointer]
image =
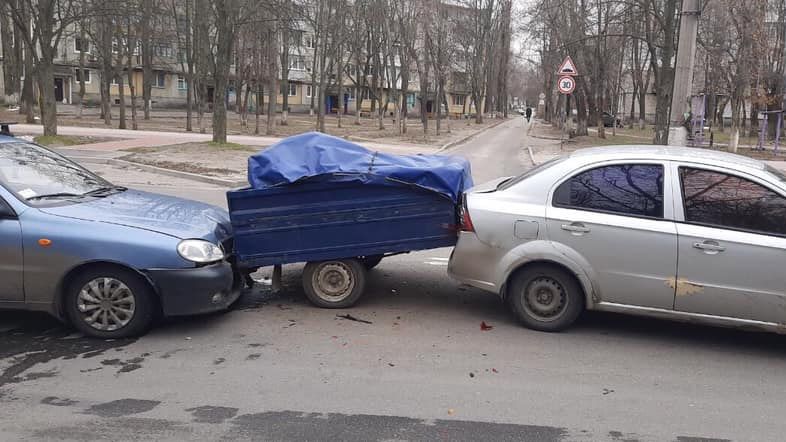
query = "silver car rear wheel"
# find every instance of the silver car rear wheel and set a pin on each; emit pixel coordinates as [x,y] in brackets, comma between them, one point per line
[545,297]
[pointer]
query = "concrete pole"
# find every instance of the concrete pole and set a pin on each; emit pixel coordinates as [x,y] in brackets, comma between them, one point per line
[683,72]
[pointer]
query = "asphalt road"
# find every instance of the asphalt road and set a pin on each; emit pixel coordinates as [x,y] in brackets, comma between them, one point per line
[276,368]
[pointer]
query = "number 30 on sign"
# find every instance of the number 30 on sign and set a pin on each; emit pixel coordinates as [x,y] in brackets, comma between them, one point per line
[566,84]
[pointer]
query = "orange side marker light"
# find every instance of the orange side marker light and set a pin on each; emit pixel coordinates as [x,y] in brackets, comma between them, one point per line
[44,242]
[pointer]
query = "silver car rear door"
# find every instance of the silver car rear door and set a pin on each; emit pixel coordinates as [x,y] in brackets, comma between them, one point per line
[609,217]
[732,245]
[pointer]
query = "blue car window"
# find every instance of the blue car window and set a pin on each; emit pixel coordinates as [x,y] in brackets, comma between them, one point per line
[32,173]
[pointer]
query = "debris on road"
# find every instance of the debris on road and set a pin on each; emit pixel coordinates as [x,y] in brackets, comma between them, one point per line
[485,327]
[471,374]
[391,364]
[494,370]
[451,411]
[607,391]
[352,318]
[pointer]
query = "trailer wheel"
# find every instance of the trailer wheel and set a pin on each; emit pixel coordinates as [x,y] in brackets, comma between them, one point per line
[335,283]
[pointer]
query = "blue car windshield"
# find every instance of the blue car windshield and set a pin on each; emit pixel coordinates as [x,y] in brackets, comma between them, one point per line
[36,174]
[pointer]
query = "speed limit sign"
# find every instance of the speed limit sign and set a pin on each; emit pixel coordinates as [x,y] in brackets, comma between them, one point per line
[566,84]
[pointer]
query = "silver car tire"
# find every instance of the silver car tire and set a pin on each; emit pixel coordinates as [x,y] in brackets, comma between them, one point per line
[123,301]
[334,283]
[546,298]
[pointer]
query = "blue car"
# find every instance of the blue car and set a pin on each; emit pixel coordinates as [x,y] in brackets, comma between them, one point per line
[106,259]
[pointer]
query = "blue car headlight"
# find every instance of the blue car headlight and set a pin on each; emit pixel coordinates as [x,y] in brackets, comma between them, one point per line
[200,251]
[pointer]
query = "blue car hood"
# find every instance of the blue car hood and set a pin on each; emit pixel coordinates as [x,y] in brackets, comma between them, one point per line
[177,217]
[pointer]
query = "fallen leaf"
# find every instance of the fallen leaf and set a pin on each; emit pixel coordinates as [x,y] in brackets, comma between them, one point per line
[451,411]
[471,374]
[494,370]
[391,364]
[485,327]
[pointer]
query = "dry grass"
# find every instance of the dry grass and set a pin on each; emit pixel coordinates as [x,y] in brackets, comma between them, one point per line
[367,129]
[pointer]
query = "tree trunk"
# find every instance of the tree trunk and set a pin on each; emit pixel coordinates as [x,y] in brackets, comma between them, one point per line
[121,95]
[258,108]
[225,30]
[147,55]
[48,104]
[28,94]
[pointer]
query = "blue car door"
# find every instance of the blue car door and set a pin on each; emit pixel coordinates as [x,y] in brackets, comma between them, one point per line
[11,263]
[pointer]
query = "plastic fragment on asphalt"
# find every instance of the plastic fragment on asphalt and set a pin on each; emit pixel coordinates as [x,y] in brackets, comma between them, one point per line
[352,318]
[485,327]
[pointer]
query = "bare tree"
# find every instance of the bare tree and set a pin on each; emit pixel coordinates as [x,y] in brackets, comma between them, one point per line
[47,21]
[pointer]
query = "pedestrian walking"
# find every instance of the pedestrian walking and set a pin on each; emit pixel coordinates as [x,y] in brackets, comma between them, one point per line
[528,113]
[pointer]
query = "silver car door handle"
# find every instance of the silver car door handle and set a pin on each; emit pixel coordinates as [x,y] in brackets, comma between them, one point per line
[709,246]
[575,228]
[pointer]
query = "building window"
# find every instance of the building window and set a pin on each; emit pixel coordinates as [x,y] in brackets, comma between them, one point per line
[292,89]
[162,50]
[309,40]
[295,38]
[78,75]
[297,63]
[114,80]
[351,93]
[410,100]
[160,79]
[181,83]
[458,100]
[308,91]
[81,45]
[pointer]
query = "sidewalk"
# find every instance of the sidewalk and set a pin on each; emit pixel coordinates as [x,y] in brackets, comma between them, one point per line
[188,155]
[129,139]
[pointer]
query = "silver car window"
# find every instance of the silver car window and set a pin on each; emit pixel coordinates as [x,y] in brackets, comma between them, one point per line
[625,189]
[718,199]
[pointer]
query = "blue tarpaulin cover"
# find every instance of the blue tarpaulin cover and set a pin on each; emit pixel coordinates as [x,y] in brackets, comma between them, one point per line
[319,157]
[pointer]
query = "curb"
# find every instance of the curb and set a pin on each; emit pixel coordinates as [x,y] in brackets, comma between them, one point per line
[161,171]
[468,137]
[531,156]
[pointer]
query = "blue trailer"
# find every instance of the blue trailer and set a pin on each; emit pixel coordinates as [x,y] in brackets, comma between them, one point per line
[341,208]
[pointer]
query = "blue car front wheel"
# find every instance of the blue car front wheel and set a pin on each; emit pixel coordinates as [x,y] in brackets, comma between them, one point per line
[110,303]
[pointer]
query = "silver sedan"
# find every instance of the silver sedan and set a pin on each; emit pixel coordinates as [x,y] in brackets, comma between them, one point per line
[675,233]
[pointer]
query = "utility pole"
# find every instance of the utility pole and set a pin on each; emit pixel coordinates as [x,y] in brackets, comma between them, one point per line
[783,64]
[683,72]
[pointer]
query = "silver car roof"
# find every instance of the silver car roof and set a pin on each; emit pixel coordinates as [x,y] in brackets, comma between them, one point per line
[652,152]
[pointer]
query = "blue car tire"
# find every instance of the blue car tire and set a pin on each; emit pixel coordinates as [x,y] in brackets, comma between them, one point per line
[110,303]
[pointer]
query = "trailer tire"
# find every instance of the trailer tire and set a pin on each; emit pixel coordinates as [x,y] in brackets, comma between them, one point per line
[334,283]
